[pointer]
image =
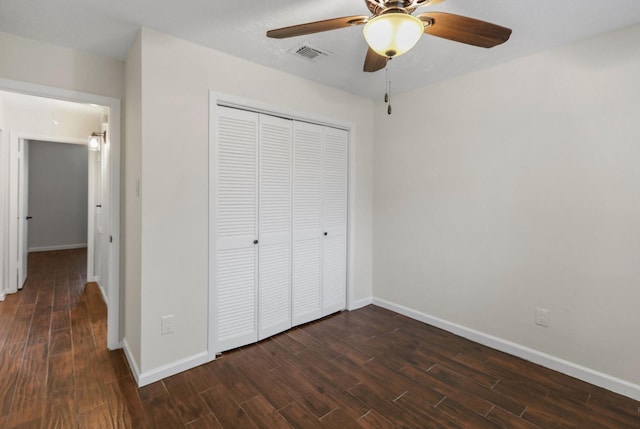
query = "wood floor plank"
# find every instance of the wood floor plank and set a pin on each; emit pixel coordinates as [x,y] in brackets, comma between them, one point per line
[320,363]
[80,322]
[375,420]
[124,401]
[207,422]
[60,405]
[300,417]
[60,320]
[10,363]
[60,342]
[464,415]
[462,383]
[29,398]
[267,384]
[506,420]
[202,378]
[306,392]
[339,419]
[97,418]
[266,356]
[236,384]
[474,402]
[161,413]
[20,326]
[226,410]
[429,416]
[391,410]
[344,400]
[289,343]
[263,414]
[152,390]
[386,388]
[113,365]
[186,398]
[90,387]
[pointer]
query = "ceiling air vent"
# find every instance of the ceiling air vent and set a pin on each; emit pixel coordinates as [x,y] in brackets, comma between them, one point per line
[309,52]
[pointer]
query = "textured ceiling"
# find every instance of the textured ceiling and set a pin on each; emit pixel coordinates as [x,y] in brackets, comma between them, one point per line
[108,28]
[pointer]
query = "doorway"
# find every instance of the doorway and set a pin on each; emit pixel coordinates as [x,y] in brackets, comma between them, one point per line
[108,216]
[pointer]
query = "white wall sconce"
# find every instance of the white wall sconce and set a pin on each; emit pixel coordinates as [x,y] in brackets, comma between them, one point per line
[95,140]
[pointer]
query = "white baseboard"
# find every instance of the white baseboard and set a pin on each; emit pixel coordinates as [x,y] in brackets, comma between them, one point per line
[589,375]
[164,371]
[2,296]
[363,302]
[173,368]
[133,365]
[57,247]
[105,298]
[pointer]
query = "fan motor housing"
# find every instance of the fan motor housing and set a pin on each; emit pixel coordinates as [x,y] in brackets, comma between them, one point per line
[404,6]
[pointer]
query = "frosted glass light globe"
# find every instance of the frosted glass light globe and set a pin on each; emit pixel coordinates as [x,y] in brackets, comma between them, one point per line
[393,34]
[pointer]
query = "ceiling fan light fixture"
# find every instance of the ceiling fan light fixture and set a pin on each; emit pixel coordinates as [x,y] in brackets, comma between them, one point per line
[393,34]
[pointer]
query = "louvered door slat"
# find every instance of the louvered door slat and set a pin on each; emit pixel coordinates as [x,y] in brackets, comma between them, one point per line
[274,279]
[235,223]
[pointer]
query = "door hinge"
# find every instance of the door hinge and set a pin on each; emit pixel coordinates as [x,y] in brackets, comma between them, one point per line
[111,239]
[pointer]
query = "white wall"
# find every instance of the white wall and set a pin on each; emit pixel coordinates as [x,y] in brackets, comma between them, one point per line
[37,62]
[517,187]
[4,166]
[58,179]
[176,78]
[131,307]
[47,118]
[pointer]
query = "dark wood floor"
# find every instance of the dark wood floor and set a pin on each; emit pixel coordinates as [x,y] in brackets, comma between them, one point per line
[370,368]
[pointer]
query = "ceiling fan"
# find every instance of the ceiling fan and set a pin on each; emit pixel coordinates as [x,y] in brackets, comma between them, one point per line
[392,29]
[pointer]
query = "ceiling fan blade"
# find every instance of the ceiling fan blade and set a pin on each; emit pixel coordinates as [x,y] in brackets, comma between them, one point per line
[317,26]
[465,30]
[374,62]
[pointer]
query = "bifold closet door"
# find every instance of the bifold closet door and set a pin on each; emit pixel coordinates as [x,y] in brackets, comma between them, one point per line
[274,230]
[334,220]
[307,223]
[279,217]
[235,222]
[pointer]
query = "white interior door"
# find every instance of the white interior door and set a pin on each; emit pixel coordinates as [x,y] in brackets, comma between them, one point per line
[274,214]
[104,221]
[334,220]
[307,223]
[24,211]
[235,235]
[18,222]
[13,257]
[97,217]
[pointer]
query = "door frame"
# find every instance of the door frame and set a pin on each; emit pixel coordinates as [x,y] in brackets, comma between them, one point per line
[18,240]
[217,100]
[114,105]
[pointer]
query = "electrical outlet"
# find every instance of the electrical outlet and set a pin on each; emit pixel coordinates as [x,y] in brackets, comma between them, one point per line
[542,317]
[168,324]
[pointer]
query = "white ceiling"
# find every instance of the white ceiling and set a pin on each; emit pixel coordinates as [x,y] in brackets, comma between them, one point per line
[108,28]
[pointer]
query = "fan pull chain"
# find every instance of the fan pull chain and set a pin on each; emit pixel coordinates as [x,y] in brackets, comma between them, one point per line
[387,95]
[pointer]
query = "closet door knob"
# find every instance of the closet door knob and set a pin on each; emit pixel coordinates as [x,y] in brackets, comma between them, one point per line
[325,233]
[255,241]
